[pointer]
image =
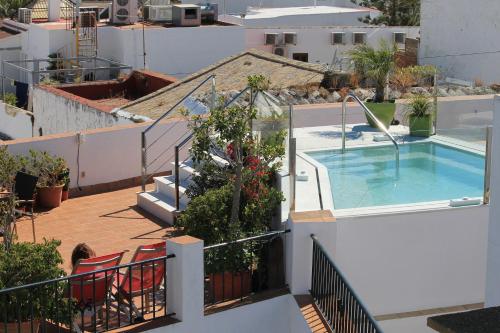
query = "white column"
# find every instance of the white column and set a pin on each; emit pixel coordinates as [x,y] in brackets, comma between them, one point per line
[493,263]
[54,10]
[185,281]
[299,246]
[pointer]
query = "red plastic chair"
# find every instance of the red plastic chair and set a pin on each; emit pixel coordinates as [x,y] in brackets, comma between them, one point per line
[143,279]
[91,291]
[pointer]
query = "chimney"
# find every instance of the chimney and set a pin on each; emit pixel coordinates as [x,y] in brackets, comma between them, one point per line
[54,10]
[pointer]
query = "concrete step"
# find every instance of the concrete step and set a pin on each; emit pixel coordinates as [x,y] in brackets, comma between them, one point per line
[166,186]
[158,205]
[186,170]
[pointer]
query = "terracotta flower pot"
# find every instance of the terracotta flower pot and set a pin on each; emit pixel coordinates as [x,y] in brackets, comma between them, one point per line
[65,195]
[50,197]
[25,327]
[229,286]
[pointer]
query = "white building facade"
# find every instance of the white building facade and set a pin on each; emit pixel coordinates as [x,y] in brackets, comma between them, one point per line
[461,38]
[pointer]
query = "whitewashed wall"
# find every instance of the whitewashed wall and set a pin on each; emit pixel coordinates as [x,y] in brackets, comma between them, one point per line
[105,155]
[57,114]
[240,6]
[326,114]
[15,122]
[174,51]
[415,261]
[40,40]
[305,19]
[461,38]
[317,41]
[9,53]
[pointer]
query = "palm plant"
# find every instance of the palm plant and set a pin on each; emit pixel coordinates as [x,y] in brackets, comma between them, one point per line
[374,64]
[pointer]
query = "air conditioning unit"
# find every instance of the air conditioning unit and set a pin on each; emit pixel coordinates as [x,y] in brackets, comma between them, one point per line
[24,15]
[338,38]
[158,13]
[271,38]
[158,2]
[184,15]
[124,11]
[399,37]
[358,38]
[280,51]
[290,38]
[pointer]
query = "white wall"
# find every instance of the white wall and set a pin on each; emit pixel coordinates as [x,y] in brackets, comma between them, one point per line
[312,115]
[40,40]
[452,29]
[15,122]
[415,261]
[240,6]
[9,53]
[317,41]
[57,114]
[493,269]
[106,155]
[304,19]
[174,51]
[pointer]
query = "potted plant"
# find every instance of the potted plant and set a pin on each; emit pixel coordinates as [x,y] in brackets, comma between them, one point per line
[375,65]
[418,114]
[26,263]
[50,171]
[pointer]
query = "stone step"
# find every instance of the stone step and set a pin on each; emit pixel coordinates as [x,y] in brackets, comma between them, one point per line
[166,186]
[158,205]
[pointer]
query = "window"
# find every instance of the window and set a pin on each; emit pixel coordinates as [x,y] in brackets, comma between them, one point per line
[358,38]
[399,37]
[190,13]
[271,39]
[338,38]
[290,38]
[301,57]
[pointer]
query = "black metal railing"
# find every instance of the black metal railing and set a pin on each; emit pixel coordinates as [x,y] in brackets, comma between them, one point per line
[96,301]
[242,268]
[339,304]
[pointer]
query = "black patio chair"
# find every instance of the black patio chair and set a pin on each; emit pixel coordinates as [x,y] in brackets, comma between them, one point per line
[24,188]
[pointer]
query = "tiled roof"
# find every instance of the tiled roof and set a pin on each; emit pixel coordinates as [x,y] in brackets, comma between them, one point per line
[232,73]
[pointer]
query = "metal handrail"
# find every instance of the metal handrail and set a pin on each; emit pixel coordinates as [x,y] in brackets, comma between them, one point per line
[317,180]
[372,117]
[358,300]
[144,146]
[243,240]
[177,166]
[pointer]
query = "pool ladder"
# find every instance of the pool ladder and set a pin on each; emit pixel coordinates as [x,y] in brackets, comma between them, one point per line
[370,114]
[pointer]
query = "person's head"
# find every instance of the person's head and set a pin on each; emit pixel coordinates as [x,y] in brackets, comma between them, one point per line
[81,251]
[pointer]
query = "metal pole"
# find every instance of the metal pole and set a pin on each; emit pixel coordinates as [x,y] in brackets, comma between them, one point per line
[177,181]
[143,161]
[3,80]
[290,116]
[487,165]
[344,107]
[434,120]
[292,171]
[214,94]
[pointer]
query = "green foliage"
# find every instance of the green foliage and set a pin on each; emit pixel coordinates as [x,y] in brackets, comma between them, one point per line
[10,99]
[418,106]
[374,64]
[49,169]
[9,165]
[394,12]
[27,263]
[9,8]
[7,217]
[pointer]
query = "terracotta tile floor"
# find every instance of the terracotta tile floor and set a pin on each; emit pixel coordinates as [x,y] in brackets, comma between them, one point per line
[108,222]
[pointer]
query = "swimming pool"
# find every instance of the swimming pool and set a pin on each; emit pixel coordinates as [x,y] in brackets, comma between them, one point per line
[429,171]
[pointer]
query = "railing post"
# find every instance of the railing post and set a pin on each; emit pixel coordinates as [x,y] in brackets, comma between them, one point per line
[344,107]
[143,162]
[487,165]
[214,94]
[177,180]
[292,169]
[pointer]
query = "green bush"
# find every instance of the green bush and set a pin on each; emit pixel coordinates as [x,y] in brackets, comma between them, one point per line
[10,99]
[383,111]
[49,169]
[27,263]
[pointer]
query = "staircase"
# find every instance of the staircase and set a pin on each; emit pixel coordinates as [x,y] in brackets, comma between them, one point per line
[161,202]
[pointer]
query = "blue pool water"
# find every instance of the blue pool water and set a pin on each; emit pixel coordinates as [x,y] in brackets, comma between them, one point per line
[428,171]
